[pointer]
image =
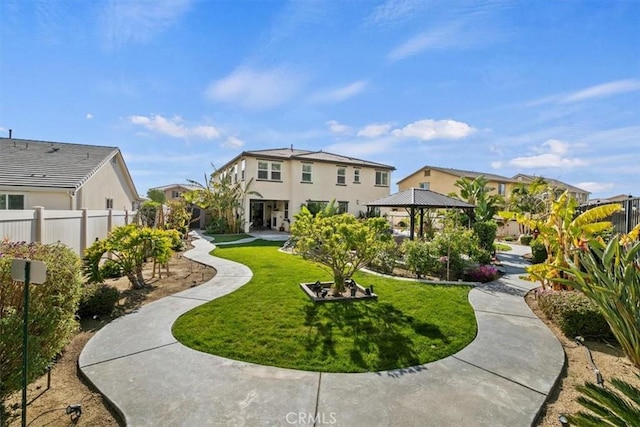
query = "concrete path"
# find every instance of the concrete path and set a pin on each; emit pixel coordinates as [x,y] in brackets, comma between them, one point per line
[501,379]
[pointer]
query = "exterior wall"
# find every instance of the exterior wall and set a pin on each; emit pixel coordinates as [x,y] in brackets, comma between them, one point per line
[108,183]
[48,199]
[323,187]
[444,183]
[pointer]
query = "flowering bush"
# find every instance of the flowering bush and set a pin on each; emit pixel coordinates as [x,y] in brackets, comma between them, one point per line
[482,273]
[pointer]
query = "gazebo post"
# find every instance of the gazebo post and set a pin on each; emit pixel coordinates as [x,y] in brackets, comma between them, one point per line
[421,222]
[413,223]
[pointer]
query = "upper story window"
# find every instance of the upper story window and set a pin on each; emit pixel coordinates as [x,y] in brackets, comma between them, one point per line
[276,171]
[424,185]
[235,173]
[11,201]
[109,203]
[175,194]
[243,165]
[427,172]
[382,178]
[263,170]
[269,171]
[502,188]
[306,172]
[356,176]
[342,176]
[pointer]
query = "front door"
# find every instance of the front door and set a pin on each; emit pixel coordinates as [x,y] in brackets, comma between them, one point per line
[256,212]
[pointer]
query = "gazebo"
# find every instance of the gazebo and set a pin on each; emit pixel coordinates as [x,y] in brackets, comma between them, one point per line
[420,199]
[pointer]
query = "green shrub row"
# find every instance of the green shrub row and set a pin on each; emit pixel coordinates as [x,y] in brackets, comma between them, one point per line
[574,314]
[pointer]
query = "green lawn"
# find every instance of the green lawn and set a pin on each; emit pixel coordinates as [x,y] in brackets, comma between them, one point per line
[502,247]
[270,321]
[223,238]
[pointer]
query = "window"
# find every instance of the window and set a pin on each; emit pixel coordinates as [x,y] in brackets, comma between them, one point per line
[263,170]
[343,207]
[286,210]
[427,172]
[425,185]
[342,175]
[356,176]
[109,203]
[502,188]
[382,178]
[175,194]
[11,201]
[306,172]
[235,173]
[276,174]
[242,167]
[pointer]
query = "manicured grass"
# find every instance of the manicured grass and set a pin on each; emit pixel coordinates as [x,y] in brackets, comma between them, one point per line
[270,321]
[223,238]
[502,247]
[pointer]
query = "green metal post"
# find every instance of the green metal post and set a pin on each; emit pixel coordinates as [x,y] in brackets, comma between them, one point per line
[25,341]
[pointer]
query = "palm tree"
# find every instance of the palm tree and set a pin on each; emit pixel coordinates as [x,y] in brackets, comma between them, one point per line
[476,192]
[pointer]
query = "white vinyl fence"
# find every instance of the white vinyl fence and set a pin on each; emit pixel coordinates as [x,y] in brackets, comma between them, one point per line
[75,229]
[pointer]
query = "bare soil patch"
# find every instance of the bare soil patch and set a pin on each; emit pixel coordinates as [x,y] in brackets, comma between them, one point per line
[608,358]
[47,407]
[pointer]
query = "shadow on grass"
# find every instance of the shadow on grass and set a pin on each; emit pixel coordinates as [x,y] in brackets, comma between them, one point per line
[378,332]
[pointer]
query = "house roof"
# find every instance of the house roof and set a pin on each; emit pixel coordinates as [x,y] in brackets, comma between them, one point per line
[45,164]
[420,198]
[463,173]
[170,186]
[552,182]
[306,155]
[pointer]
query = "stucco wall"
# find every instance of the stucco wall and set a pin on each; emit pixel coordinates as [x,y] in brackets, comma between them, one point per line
[443,183]
[108,183]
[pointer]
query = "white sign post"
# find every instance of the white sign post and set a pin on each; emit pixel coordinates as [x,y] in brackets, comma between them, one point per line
[26,270]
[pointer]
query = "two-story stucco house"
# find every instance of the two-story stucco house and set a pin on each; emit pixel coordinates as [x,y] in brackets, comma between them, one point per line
[442,180]
[62,176]
[289,178]
[577,193]
[175,191]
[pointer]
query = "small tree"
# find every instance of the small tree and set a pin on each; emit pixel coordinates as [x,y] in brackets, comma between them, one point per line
[157,196]
[129,246]
[148,213]
[342,243]
[178,217]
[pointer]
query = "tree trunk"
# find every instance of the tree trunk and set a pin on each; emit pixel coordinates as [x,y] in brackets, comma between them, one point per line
[338,283]
[134,280]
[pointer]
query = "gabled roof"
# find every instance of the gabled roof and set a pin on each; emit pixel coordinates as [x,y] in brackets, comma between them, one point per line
[306,155]
[552,182]
[44,164]
[420,198]
[187,187]
[463,173]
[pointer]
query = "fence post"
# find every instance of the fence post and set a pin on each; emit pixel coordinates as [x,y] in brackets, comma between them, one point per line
[110,221]
[627,215]
[39,210]
[84,229]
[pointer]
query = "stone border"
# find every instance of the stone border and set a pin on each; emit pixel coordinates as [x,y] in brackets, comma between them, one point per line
[361,295]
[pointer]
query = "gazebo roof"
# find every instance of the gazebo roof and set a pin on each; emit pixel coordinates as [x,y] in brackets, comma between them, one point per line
[420,198]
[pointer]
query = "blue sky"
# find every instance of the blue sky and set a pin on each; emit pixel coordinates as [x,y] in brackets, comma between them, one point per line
[550,88]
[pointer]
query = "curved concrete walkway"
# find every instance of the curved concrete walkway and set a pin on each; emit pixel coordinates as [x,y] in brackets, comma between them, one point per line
[501,379]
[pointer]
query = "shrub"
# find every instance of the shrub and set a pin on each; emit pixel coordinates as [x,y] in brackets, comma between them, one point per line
[481,256]
[419,257]
[574,314]
[525,239]
[509,238]
[538,252]
[217,226]
[98,299]
[110,269]
[386,259]
[486,232]
[482,273]
[52,307]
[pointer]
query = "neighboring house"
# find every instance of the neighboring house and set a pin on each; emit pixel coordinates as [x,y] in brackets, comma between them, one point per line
[62,176]
[289,178]
[175,191]
[442,180]
[578,193]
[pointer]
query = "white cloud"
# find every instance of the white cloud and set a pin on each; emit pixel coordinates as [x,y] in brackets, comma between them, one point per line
[395,11]
[233,142]
[602,90]
[336,127]
[374,131]
[255,89]
[595,187]
[174,127]
[553,156]
[361,149]
[434,129]
[341,93]
[89,116]
[496,165]
[125,21]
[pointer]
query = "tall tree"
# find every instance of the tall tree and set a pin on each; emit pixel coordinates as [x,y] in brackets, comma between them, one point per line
[477,192]
[156,195]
